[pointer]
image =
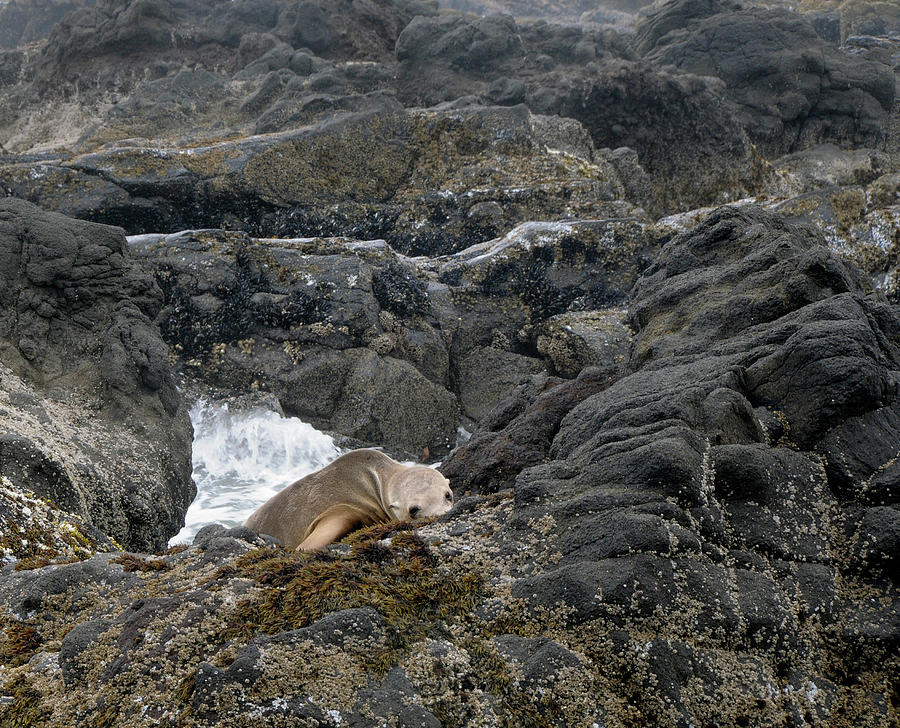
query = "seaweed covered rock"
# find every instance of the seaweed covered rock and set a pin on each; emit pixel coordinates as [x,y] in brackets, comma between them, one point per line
[722,467]
[639,543]
[341,332]
[358,339]
[428,182]
[91,419]
[686,137]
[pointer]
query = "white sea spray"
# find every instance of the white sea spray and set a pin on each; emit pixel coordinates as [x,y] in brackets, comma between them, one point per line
[242,458]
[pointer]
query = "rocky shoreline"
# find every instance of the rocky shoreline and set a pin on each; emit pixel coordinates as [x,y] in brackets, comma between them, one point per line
[646,255]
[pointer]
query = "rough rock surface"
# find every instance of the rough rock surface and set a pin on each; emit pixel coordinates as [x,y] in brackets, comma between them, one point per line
[427,182]
[708,532]
[791,87]
[678,504]
[90,416]
[688,93]
[359,340]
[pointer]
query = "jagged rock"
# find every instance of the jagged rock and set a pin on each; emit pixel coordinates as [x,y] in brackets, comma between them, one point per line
[26,21]
[92,419]
[578,339]
[685,136]
[707,493]
[427,182]
[820,94]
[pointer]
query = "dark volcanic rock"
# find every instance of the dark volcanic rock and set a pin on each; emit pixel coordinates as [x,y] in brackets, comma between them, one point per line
[92,419]
[355,338]
[737,435]
[791,88]
[26,21]
[151,32]
[685,135]
[428,182]
[687,139]
[682,536]
[341,332]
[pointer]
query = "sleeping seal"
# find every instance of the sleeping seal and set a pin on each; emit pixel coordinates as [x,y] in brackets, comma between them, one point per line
[360,488]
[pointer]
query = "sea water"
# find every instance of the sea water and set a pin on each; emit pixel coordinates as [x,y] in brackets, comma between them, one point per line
[241,458]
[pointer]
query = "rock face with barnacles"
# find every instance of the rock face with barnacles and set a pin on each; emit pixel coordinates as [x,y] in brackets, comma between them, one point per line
[715,516]
[406,223]
[89,414]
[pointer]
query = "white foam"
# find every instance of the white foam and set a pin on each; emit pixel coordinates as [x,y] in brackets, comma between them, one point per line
[242,458]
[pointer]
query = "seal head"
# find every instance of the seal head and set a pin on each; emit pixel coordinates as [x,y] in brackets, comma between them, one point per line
[418,492]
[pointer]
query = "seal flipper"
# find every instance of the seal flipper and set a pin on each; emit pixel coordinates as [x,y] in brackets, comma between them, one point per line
[330,526]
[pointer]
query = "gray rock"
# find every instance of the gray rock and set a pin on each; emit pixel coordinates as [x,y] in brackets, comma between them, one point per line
[111,441]
[79,639]
[821,95]
[486,374]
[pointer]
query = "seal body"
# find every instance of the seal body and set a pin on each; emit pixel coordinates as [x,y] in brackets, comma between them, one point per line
[360,488]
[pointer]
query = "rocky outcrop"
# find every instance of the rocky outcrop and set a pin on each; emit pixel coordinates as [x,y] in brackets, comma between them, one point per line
[360,340]
[716,517]
[155,32]
[204,74]
[428,182]
[26,21]
[685,137]
[91,418]
[791,88]
[678,481]
[678,503]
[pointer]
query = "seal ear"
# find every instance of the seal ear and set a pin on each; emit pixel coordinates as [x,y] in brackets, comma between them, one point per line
[394,506]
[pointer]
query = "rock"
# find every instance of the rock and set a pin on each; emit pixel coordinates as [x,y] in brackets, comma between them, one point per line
[485,374]
[35,532]
[706,493]
[92,419]
[573,341]
[306,181]
[334,330]
[383,401]
[857,18]
[675,111]
[25,21]
[826,166]
[518,431]
[822,94]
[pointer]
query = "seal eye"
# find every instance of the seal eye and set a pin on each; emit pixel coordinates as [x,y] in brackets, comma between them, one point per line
[414,511]
[449,496]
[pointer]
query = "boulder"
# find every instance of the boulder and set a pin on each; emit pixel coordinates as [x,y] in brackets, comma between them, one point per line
[92,420]
[791,88]
[712,443]
[435,181]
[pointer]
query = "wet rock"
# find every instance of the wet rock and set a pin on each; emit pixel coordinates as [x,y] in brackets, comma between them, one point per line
[434,181]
